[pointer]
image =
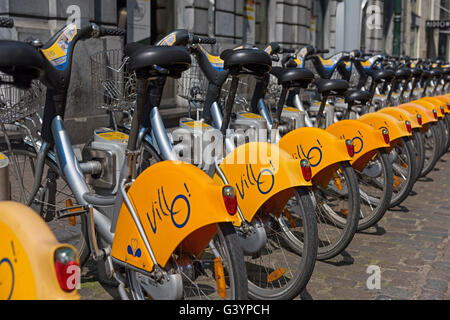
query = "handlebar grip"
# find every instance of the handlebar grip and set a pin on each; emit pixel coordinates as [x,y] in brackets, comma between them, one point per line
[112,32]
[206,40]
[6,22]
[287,50]
[202,40]
[322,51]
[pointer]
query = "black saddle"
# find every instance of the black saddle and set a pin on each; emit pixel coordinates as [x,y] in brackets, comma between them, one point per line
[160,61]
[403,73]
[293,77]
[132,47]
[332,87]
[20,60]
[382,75]
[416,72]
[435,73]
[357,97]
[246,61]
[426,74]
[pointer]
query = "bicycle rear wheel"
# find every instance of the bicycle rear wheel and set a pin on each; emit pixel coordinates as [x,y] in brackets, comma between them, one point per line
[54,194]
[199,273]
[375,185]
[276,272]
[431,147]
[404,168]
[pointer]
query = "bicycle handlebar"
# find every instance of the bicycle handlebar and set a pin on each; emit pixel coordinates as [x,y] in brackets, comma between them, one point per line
[111,32]
[6,22]
[202,40]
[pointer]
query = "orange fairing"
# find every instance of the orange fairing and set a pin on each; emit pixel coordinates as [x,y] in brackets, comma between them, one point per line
[402,115]
[446,102]
[430,105]
[260,171]
[27,249]
[416,109]
[320,148]
[177,205]
[380,121]
[365,138]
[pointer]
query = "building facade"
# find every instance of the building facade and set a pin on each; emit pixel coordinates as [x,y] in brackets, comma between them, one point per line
[395,27]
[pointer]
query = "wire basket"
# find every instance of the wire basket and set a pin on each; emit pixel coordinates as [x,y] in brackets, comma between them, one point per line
[192,84]
[113,86]
[17,104]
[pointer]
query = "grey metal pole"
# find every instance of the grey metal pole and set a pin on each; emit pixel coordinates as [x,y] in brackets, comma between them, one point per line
[5,190]
[352,24]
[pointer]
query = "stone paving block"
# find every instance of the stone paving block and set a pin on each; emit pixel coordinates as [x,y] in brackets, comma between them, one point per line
[438,285]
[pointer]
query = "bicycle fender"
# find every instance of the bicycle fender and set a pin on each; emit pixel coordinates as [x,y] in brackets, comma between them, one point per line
[177,205]
[259,172]
[430,105]
[402,115]
[446,101]
[365,138]
[397,129]
[321,148]
[27,248]
[426,114]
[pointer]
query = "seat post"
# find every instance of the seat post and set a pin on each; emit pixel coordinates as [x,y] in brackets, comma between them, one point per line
[348,110]
[280,106]
[229,105]
[320,115]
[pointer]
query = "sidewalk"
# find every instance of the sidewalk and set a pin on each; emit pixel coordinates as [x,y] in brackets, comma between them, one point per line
[410,246]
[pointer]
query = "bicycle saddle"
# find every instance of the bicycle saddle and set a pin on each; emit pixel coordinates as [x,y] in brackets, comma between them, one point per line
[435,73]
[246,61]
[20,60]
[381,75]
[357,96]
[293,77]
[426,74]
[332,87]
[160,61]
[416,72]
[132,47]
[403,73]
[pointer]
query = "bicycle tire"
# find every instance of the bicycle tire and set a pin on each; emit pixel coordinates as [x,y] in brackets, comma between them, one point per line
[348,225]
[18,147]
[230,251]
[431,142]
[385,199]
[398,198]
[309,253]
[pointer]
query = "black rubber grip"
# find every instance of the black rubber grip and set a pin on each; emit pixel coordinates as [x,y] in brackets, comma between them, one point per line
[112,32]
[287,50]
[206,40]
[322,51]
[6,22]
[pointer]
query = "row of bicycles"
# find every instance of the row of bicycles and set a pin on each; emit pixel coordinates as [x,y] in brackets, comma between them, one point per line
[288,156]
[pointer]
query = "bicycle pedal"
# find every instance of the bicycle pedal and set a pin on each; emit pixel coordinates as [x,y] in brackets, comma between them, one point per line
[71,212]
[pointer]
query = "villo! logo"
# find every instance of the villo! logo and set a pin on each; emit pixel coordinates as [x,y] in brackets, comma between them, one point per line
[161,209]
[264,180]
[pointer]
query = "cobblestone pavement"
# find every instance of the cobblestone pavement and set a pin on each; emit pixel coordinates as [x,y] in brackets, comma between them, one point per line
[410,246]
